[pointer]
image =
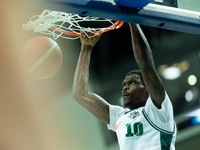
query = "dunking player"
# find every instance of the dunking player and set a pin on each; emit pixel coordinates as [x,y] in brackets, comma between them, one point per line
[147,123]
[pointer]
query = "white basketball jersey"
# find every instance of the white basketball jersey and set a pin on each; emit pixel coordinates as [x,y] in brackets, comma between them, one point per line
[144,128]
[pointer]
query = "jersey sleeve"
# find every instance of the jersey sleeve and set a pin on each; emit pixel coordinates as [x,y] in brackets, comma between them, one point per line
[115,112]
[164,117]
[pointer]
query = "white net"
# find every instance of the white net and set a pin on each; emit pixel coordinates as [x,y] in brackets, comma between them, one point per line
[64,25]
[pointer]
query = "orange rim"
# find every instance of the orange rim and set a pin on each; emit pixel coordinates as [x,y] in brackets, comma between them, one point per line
[116,25]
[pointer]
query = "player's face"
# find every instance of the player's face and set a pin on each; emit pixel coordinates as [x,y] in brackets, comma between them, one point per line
[133,91]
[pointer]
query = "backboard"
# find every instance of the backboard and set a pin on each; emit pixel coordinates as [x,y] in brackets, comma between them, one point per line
[176,15]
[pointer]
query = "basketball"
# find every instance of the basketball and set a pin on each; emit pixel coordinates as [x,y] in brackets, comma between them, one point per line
[42,57]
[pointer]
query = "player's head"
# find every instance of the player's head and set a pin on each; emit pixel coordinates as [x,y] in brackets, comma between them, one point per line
[139,72]
[133,90]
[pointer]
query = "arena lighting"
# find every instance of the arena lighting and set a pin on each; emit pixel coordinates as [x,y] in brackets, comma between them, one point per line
[195,120]
[189,96]
[174,71]
[194,113]
[192,94]
[195,117]
[191,119]
[171,73]
[192,80]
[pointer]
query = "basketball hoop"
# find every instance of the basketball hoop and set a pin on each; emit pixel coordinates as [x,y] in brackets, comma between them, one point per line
[67,25]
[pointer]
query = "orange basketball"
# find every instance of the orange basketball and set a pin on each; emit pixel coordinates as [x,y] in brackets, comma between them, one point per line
[42,57]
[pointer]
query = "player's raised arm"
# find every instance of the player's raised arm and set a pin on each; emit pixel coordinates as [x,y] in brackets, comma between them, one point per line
[92,102]
[144,59]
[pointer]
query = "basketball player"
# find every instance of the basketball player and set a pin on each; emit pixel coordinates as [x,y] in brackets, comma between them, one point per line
[147,123]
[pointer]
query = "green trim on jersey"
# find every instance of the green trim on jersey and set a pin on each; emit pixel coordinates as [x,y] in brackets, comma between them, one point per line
[153,125]
[165,140]
[165,136]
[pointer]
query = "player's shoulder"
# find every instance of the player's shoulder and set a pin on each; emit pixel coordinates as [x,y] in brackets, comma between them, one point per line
[118,109]
[166,102]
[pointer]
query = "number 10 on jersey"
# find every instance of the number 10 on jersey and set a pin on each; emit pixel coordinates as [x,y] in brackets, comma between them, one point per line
[137,129]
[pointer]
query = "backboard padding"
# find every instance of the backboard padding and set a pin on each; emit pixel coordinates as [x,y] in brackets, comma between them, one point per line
[151,15]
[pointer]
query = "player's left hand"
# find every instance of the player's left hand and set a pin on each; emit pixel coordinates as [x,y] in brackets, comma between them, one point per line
[89,39]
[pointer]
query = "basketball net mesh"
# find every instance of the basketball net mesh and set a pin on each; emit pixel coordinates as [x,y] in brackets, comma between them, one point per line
[64,25]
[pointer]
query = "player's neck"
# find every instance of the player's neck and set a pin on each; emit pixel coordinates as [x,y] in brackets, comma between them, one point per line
[135,106]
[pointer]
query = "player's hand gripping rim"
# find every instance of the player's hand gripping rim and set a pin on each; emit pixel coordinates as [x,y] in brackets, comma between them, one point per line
[89,38]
